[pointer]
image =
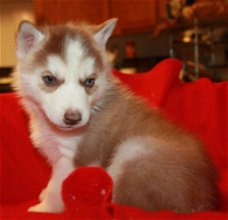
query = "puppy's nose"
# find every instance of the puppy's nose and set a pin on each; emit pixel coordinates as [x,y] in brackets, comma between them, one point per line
[72,117]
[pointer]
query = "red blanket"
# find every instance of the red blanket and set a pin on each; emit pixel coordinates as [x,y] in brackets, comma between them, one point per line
[200,107]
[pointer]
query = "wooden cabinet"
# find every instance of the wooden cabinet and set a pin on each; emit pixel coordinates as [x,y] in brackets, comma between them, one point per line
[134,15]
[62,11]
[161,9]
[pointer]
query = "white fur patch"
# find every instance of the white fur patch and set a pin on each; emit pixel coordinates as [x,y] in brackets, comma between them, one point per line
[78,64]
[129,150]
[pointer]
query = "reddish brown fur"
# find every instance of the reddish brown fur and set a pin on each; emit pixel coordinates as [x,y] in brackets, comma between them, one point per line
[176,176]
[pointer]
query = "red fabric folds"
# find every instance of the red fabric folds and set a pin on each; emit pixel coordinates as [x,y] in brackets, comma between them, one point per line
[200,107]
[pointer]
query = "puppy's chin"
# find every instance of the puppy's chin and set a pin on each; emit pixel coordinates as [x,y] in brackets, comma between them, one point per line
[74,128]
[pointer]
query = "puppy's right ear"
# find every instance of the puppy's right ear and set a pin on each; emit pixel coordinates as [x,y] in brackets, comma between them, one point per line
[104,31]
[28,37]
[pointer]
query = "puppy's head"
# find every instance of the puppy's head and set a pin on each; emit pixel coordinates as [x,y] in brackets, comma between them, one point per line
[62,70]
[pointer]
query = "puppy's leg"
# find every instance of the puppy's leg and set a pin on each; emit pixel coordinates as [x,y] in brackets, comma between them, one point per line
[155,175]
[52,200]
[128,184]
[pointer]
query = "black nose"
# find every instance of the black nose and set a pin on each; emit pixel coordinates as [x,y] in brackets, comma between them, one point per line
[72,117]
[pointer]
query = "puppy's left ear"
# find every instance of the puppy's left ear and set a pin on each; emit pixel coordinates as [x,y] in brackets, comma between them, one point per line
[28,37]
[104,31]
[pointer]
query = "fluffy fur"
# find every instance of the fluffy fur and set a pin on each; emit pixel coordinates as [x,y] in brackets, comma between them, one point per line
[81,115]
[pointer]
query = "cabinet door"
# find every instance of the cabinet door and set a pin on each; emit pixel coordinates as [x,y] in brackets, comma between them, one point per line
[62,11]
[162,13]
[134,15]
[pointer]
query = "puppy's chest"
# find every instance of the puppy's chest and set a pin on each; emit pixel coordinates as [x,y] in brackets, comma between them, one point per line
[55,145]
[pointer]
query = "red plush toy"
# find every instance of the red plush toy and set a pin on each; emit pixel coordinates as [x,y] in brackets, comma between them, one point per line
[200,107]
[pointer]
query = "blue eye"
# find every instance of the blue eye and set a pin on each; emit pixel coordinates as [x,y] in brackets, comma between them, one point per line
[88,83]
[49,80]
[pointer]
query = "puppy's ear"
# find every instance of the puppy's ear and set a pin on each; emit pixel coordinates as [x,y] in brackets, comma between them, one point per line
[104,31]
[28,37]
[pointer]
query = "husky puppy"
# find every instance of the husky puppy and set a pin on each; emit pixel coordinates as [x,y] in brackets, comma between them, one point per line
[80,115]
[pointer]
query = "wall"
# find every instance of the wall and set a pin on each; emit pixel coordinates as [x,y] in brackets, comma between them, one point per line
[11,13]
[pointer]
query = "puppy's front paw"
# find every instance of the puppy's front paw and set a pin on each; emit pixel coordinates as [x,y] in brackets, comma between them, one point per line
[38,208]
[43,207]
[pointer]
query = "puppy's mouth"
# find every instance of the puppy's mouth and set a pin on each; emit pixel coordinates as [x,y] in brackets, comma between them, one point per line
[66,128]
[70,130]
[74,128]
